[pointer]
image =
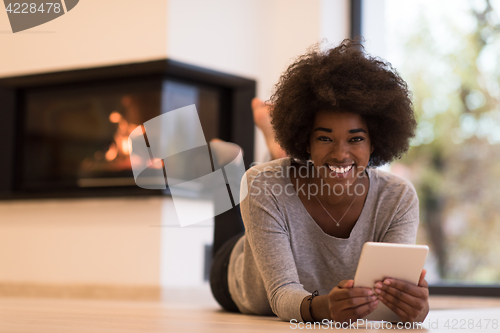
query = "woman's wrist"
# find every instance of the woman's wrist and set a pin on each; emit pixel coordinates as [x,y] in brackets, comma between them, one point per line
[319,308]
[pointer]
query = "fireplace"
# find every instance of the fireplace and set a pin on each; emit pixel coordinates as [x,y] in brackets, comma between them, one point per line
[66,133]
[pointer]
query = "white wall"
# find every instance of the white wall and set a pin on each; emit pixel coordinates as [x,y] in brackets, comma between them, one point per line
[84,242]
[119,241]
[335,23]
[256,39]
[93,33]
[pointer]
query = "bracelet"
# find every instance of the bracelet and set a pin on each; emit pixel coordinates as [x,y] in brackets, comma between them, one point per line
[314,294]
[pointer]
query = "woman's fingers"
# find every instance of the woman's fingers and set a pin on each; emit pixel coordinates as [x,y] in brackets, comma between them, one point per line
[361,310]
[354,308]
[397,286]
[347,302]
[405,299]
[346,284]
[422,282]
[399,303]
[355,302]
[339,294]
[402,314]
[422,276]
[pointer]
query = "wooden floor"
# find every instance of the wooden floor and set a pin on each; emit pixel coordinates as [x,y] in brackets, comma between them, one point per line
[196,311]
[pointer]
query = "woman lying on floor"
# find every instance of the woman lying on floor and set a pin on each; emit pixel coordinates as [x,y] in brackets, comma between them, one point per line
[337,114]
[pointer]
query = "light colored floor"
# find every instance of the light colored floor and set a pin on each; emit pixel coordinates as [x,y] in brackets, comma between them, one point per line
[196,311]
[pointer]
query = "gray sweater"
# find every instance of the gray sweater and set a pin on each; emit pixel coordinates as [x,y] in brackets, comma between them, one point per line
[284,255]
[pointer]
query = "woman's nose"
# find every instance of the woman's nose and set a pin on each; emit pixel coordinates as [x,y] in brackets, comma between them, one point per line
[340,151]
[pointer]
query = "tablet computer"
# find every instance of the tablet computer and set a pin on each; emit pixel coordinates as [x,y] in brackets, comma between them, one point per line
[381,260]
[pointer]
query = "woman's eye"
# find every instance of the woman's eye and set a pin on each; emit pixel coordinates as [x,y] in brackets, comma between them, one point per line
[323,138]
[357,139]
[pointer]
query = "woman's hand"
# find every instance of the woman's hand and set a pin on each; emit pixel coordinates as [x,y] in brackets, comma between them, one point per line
[346,302]
[409,302]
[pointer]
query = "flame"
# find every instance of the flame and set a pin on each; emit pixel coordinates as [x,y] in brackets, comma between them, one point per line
[120,146]
[115,117]
[118,155]
[112,152]
[124,146]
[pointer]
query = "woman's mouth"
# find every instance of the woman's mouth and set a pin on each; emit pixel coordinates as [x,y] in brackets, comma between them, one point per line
[340,171]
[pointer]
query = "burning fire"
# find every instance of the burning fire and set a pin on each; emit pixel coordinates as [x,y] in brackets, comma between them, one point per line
[117,155]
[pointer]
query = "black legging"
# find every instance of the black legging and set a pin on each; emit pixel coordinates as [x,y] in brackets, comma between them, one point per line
[228,229]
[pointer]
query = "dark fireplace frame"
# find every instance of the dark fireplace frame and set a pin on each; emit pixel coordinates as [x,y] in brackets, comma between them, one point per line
[235,125]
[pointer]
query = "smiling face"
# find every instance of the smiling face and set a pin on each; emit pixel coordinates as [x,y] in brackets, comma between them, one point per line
[340,146]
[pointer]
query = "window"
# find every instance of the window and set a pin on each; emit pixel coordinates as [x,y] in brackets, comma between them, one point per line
[447,51]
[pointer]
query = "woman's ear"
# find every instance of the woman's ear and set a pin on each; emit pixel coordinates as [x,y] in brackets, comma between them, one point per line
[372,149]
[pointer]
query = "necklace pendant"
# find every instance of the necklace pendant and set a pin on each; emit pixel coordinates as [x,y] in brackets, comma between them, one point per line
[334,220]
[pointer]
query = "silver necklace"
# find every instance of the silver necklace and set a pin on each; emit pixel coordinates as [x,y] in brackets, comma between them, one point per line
[334,220]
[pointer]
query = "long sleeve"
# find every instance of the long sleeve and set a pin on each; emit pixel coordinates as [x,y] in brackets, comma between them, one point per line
[268,236]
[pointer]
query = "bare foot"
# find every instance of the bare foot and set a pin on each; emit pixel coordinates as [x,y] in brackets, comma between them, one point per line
[262,115]
[262,119]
